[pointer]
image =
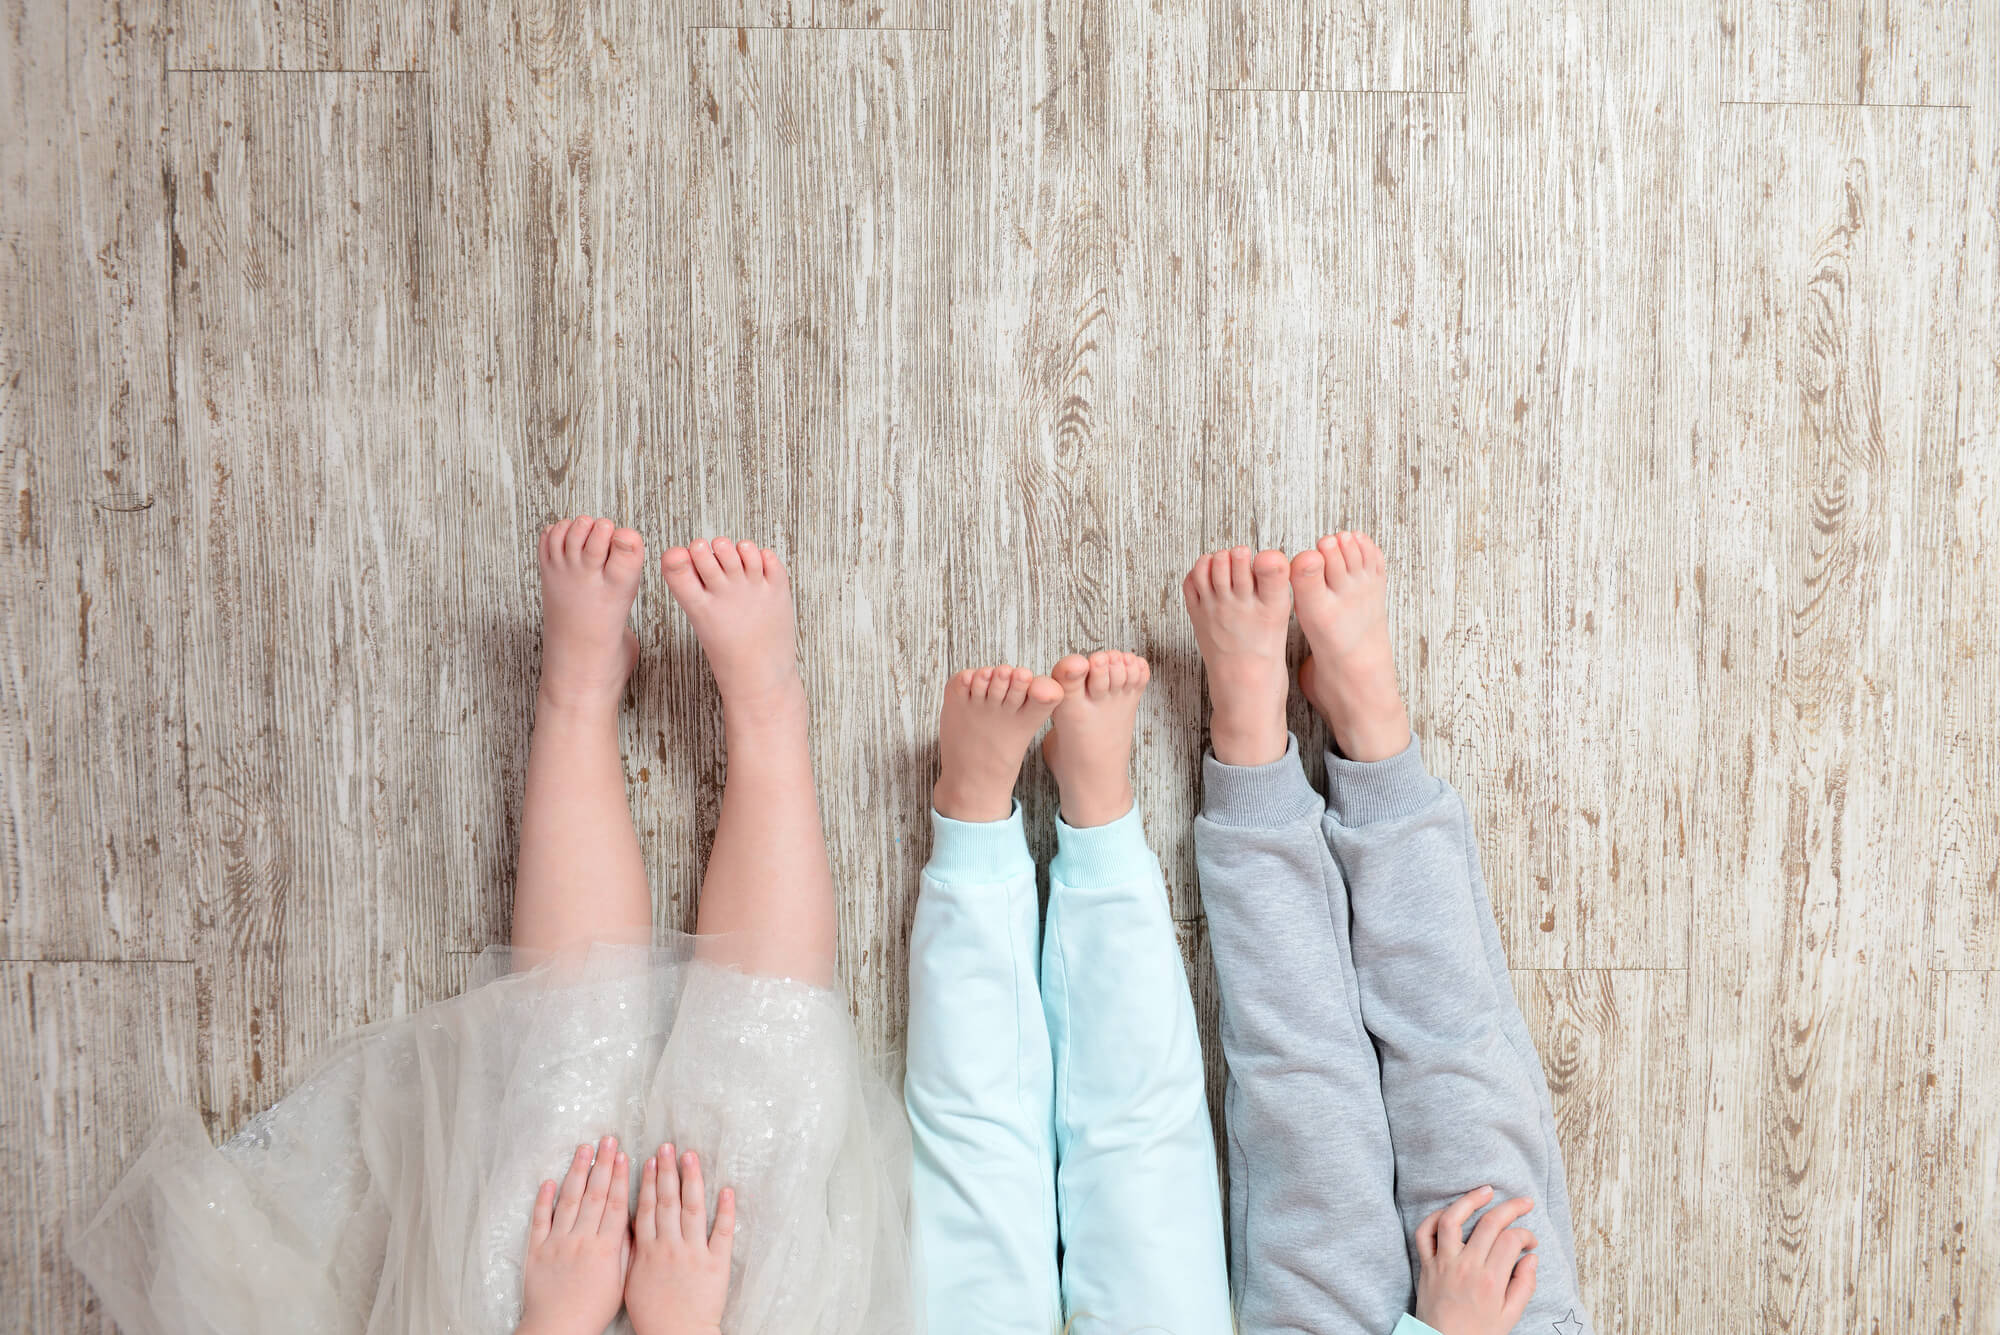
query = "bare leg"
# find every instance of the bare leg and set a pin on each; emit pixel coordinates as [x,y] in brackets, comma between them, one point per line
[768,890]
[580,877]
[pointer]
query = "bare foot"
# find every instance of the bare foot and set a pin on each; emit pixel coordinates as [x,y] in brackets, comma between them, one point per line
[740,602]
[990,715]
[1090,748]
[590,575]
[1343,607]
[1241,608]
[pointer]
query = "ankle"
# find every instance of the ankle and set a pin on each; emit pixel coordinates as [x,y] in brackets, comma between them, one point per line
[957,797]
[558,703]
[1100,806]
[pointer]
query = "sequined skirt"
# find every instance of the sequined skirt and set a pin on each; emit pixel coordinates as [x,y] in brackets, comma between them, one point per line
[391,1191]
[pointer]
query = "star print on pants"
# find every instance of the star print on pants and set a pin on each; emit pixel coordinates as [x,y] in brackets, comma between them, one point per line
[1569,1325]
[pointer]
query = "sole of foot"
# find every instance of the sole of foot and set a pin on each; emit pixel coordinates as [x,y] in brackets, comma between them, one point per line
[1089,749]
[590,572]
[1240,602]
[1340,588]
[990,715]
[739,599]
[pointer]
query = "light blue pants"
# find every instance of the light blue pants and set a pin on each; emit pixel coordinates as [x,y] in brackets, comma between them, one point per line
[1067,1111]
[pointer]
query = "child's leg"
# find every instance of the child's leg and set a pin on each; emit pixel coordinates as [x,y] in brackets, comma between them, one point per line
[1317,1244]
[579,877]
[1467,1102]
[1136,1182]
[767,894]
[978,1086]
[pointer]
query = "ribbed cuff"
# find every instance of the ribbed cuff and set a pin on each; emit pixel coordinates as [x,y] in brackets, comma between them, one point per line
[1363,792]
[1257,795]
[984,852]
[1098,856]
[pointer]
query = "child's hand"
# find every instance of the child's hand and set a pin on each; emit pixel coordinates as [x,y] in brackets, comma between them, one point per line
[680,1270]
[1473,1286]
[579,1246]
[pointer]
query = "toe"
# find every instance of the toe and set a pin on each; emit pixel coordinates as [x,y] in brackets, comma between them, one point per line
[1196,583]
[752,559]
[1350,553]
[1268,574]
[1309,572]
[960,684]
[705,564]
[552,539]
[597,542]
[1045,691]
[1371,554]
[1070,672]
[1142,671]
[1117,671]
[1018,682]
[1100,674]
[726,557]
[542,543]
[579,532]
[982,684]
[774,569]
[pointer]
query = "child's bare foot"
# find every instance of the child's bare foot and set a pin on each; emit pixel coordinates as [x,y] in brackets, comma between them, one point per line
[740,602]
[990,715]
[679,1282]
[1090,748]
[1350,677]
[1241,607]
[590,575]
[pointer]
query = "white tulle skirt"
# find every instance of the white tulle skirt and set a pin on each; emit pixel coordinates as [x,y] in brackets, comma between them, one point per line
[391,1191]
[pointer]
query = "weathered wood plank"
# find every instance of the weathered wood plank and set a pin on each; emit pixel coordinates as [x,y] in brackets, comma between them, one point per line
[300,34]
[1960,520]
[1627,1132]
[819,13]
[92,858]
[1412,46]
[1335,282]
[556,247]
[1560,683]
[1960,1167]
[311,680]
[831,400]
[1888,52]
[95,1052]
[1833,378]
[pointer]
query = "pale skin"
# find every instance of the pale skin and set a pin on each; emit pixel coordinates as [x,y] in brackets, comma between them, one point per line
[991,714]
[1241,603]
[581,880]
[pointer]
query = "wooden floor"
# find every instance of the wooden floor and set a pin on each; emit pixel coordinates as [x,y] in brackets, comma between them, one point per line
[1659,341]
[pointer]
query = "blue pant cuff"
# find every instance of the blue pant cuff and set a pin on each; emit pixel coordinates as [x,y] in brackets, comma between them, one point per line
[987,852]
[1101,856]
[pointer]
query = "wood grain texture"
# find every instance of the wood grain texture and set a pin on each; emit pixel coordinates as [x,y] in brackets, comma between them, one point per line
[1833,380]
[1627,1129]
[1337,45]
[299,34]
[1961,1261]
[93,860]
[94,1053]
[831,392]
[1960,519]
[1675,417]
[1560,681]
[1884,52]
[298,353]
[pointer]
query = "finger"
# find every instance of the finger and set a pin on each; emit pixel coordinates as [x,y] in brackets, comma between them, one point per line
[694,1200]
[1519,1290]
[723,1239]
[1507,1249]
[545,1211]
[1493,1223]
[1427,1236]
[619,1202]
[1451,1228]
[668,1211]
[598,1190]
[642,1222]
[572,1189]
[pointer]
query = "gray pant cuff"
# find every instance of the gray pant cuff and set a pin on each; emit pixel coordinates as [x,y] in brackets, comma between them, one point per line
[1364,792]
[1258,795]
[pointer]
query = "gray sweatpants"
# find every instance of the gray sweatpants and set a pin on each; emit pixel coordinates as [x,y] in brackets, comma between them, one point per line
[1378,1065]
